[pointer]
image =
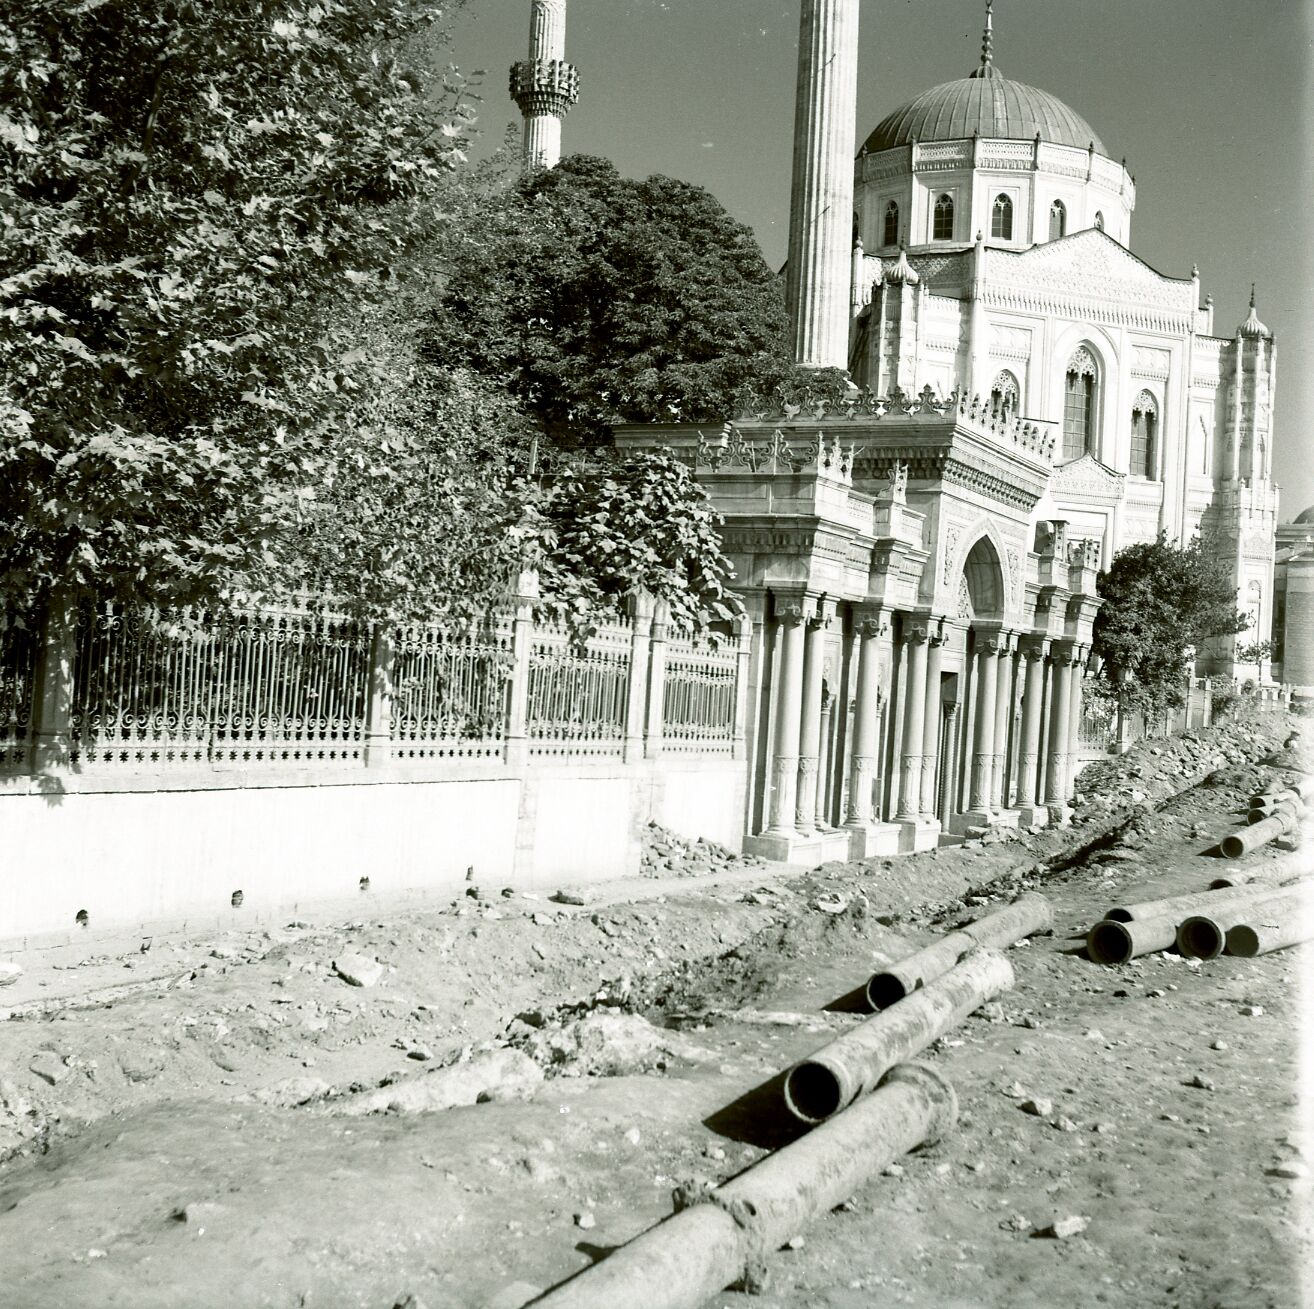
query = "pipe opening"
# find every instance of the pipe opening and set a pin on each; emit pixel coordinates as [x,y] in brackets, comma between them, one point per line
[1118,915]
[1109,943]
[1200,938]
[813,1092]
[1233,846]
[885,989]
[1243,941]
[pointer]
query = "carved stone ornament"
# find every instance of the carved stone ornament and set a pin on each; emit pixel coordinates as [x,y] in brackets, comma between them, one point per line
[790,614]
[871,628]
[898,483]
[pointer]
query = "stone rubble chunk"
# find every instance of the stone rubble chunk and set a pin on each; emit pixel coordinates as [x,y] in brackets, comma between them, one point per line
[1038,1107]
[1063,1228]
[357,970]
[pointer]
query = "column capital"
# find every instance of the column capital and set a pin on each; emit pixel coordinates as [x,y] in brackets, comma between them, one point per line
[1033,647]
[872,620]
[819,611]
[790,613]
[989,640]
[1065,653]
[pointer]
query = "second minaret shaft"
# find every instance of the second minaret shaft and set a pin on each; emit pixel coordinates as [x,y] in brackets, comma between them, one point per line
[821,205]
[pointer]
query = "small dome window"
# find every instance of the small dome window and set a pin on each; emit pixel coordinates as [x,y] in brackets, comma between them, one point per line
[1099,221]
[1004,395]
[1080,386]
[1001,218]
[1058,220]
[1145,431]
[891,233]
[942,228]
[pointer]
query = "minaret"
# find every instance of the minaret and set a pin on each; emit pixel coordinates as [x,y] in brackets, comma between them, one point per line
[817,288]
[544,85]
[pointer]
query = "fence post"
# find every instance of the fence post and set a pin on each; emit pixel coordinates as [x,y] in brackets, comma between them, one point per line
[743,629]
[378,715]
[522,636]
[636,704]
[52,689]
[661,620]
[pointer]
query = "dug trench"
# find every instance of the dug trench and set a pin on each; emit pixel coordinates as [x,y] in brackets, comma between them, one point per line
[207,1138]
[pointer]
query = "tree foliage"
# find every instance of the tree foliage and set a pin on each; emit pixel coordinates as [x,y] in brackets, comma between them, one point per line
[190,195]
[598,298]
[1160,602]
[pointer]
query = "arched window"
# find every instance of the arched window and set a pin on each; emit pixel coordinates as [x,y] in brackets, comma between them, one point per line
[1081,380]
[1099,221]
[943,227]
[1001,218]
[1005,398]
[1145,433]
[1058,220]
[891,233]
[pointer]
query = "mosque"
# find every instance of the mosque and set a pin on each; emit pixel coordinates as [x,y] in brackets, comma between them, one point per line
[1029,398]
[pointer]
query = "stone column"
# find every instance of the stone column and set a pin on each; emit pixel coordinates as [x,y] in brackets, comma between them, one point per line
[823,762]
[743,628]
[544,85]
[866,724]
[1059,725]
[1003,714]
[809,749]
[789,699]
[522,640]
[378,710]
[657,636]
[643,688]
[983,744]
[1075,692]
[949,793]
[1033,652]
[931,723]
[817,291]
[52,689]
[914,724]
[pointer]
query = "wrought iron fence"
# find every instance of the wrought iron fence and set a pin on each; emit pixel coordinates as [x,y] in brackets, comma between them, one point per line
[247,687]
[17,670]
[578,698]
[451,691]
[698,704]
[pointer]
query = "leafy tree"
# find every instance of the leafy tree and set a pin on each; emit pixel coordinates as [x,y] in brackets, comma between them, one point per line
[598,298]
[1160,601]
[610,528]
[192,197]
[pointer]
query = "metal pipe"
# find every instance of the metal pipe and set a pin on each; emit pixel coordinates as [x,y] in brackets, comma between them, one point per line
[1203,936]
[1175,906]
[840,1072]
[1292,807]
[1301,790]
[1277,870]
[1113,942]
[1027,914]
[1251,838]
[725,1238]
[1273,933]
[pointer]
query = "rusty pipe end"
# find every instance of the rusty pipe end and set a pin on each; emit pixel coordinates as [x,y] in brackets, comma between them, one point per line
[939,1091]
[885,989]
[1200,937]
[1243,941]
[817,1088]
[1109,942]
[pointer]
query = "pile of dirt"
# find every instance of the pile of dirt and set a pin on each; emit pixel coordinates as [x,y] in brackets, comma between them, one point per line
[667,854]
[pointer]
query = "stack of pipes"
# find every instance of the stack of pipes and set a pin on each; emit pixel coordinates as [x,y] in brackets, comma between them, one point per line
[1255,918]
[867,1104]
[1272,814]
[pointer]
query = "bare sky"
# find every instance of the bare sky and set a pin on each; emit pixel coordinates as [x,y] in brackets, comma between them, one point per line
[1209,101]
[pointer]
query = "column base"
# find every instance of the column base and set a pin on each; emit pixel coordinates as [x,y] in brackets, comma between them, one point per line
[1033,815]
[974,821]
[1060,815]
[918,834]
[803,851]
[869,839]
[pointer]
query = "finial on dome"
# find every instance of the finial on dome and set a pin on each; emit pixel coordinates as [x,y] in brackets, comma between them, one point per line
[1252,295]
[1252,327]
[987,66]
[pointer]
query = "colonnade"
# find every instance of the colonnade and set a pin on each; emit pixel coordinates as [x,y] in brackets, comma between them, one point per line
[1020,694]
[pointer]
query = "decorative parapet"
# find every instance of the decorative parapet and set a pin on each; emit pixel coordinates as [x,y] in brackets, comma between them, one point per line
[775,454]
[1084,554]
[864,406]
[544,86]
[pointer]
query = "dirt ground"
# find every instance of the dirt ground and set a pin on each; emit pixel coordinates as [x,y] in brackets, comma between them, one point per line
[202,1118]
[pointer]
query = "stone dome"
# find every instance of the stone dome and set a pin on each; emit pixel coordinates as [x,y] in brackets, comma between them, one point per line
[1306,517]
[986,104]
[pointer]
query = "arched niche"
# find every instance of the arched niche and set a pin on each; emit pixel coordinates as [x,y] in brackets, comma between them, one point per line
[984,575]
